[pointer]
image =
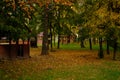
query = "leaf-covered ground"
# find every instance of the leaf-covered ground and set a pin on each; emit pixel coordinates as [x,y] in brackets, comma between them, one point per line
[61,65]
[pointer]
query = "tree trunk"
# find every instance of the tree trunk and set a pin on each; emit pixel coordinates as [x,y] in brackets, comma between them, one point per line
[100,54]
[108,50]
[58,21]
[82,43]
[45,44]
[58,46]
[34,42]
[115,49]
[10,47]
[28,43]
[54,37]
[51,45]
[90,43]
[68,39]
[62,40]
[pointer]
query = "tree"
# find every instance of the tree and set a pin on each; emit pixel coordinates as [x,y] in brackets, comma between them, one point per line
[45,43]
[102,15]
[16,15]
[58,17]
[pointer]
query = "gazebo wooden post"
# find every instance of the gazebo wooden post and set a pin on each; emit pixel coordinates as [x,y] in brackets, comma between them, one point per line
[9,45]
[28,43]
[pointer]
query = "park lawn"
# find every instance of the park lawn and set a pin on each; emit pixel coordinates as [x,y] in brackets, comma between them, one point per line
[63,64]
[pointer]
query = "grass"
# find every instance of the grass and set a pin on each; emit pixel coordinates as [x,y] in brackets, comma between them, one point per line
[69,63]
[86,72]
[76,46]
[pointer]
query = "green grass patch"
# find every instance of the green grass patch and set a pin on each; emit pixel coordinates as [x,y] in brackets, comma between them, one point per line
[76,46]
[71,46]
[86,72]
[4,75]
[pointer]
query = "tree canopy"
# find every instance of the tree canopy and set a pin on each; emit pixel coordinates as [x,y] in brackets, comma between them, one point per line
[93,18]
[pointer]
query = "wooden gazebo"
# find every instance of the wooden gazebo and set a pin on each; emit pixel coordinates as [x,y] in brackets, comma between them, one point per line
[10,49]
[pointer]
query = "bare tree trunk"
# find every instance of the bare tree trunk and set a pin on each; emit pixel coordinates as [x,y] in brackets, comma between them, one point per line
[58,46]
[45,44]
[108,51]
[82,43]
[34,42]
[54,37]
[115,49]
[68,39]
[10,46]
[28,43]
[51,45]
[90,43]
[100,53]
